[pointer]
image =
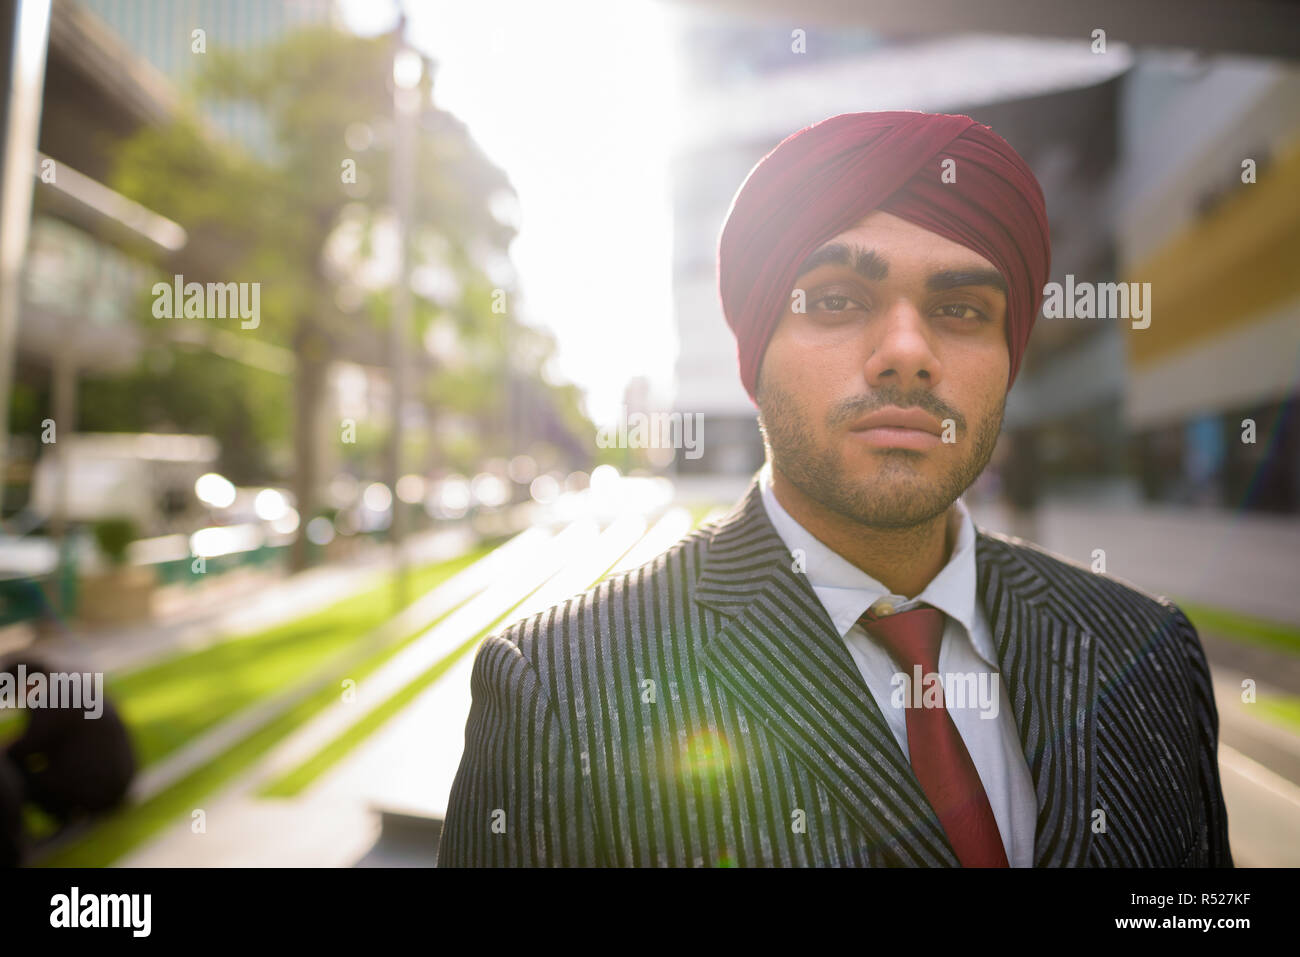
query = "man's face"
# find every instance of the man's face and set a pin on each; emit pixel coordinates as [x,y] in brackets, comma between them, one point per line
[896,317]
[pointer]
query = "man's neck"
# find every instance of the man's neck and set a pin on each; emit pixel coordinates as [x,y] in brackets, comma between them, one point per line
[904,560]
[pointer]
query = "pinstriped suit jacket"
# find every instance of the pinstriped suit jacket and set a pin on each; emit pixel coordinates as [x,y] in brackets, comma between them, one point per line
[702,710]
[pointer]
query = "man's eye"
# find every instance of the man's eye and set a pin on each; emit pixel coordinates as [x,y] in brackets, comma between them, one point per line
[961,310]
[833,303]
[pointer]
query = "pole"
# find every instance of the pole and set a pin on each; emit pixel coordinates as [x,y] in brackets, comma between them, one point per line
[406,100]
[24,35]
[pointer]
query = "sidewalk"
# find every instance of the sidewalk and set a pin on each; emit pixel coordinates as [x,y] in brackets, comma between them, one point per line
[1259,768]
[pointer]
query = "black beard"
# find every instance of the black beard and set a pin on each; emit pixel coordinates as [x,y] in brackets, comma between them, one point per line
[896,499]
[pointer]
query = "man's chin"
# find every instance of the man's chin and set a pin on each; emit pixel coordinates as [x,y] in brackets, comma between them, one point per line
[884,501]
[883,469]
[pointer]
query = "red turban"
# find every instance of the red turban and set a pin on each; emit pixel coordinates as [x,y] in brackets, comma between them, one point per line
[825,178]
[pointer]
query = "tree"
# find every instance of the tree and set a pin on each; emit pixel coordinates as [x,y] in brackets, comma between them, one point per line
[273,212]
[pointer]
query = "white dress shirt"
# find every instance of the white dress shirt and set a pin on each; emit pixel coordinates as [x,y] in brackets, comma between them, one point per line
[967,648]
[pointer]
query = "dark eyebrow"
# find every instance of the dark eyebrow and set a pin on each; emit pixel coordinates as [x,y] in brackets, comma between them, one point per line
[957,278]
[869,265]
[864,262]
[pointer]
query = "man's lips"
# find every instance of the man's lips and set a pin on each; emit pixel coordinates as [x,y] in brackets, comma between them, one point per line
[893,427]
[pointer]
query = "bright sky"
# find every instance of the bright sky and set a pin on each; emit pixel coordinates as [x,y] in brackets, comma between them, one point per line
[575,100]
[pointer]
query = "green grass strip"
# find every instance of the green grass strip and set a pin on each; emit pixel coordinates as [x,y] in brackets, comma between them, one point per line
[1281,709]
[125,830]
[1238,627]
[122,831]
[294,782]
[168,704]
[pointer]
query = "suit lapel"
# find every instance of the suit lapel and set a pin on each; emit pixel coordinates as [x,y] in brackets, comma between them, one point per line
[776,650]
[1048,659]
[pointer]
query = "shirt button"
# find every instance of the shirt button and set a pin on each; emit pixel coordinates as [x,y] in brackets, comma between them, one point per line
[883,608]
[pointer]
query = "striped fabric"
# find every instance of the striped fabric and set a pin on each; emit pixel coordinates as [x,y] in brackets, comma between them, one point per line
[701,710]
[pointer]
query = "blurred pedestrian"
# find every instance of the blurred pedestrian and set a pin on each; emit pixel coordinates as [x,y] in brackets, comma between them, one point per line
[1020,484]
[72,761]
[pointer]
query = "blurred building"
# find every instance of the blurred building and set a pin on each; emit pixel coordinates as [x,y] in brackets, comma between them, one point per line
[87,271]
[1207,209]
[166,34]
[84,272]
[1156,414]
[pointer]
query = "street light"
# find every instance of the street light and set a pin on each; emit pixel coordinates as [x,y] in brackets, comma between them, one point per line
[408,70]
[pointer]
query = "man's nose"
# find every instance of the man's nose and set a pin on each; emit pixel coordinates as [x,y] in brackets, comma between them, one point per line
[902,349]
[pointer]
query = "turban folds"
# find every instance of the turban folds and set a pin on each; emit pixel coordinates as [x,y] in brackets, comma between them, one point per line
[822,180]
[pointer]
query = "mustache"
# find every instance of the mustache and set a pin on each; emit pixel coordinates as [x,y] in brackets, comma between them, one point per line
[851,409]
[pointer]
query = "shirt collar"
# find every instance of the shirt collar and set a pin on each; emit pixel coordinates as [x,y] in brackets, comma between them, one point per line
[847,591]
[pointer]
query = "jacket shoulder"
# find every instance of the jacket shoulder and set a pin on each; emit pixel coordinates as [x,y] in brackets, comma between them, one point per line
[606,608]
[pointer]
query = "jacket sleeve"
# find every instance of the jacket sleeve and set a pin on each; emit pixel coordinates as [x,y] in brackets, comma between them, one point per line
[518,797]
[1206,718]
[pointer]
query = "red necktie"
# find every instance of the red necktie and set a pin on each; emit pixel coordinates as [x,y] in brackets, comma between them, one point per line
[942,764]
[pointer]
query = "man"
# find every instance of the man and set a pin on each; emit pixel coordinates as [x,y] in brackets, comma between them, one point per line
[844,670]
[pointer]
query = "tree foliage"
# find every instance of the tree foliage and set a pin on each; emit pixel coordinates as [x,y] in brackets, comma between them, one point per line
[280,209]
